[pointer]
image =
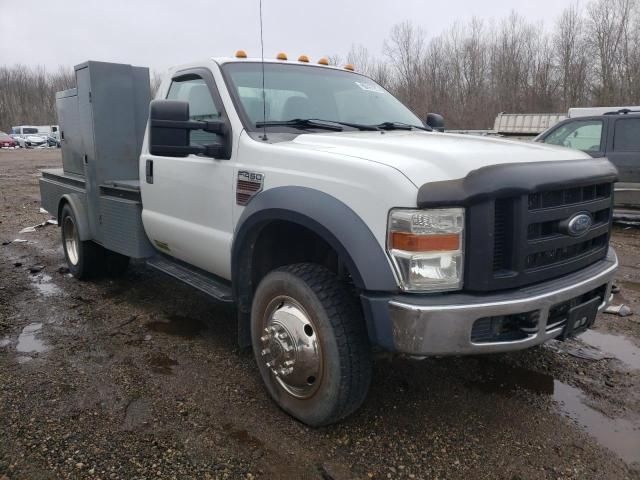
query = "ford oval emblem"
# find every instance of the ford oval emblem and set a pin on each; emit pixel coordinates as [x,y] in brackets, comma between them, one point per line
[579,224]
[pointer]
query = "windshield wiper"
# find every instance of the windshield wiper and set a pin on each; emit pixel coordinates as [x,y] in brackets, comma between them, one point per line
[401,126]
[359,126]
[300,123]
[317,122]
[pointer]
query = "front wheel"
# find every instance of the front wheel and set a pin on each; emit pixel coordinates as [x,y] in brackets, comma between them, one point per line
[310,343]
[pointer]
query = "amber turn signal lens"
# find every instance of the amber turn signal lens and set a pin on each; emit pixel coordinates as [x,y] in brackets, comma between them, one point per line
[241,54]
[410,242]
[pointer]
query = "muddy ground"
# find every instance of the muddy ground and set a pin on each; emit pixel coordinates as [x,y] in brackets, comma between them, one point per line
[140,378]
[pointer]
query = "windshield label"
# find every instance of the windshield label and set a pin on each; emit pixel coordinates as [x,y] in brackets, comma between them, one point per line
[369,87]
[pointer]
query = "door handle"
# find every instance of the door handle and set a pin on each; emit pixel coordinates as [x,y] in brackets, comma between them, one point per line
[149,171]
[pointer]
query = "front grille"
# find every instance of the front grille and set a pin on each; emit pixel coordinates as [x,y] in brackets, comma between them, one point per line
[568,196]
[528,239]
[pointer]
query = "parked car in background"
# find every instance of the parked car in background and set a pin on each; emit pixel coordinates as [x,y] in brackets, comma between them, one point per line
[52,141]
[6,141]
[28,136]
[612,134]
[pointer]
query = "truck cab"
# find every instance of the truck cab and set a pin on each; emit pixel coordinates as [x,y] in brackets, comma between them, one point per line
[335,220]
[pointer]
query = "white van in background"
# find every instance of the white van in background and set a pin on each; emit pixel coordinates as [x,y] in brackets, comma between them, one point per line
[36,135]
[28,136]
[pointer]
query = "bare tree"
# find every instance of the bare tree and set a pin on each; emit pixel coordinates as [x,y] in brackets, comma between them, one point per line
[27,95]
[155,79]
[570,52]
[405,49]
[608,22]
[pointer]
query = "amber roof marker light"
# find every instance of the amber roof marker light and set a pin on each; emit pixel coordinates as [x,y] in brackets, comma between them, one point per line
[349,67]
[323,61]
[303,58]
[281,56]
[241,54]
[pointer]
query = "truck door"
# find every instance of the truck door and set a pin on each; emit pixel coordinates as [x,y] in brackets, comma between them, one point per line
[623,150]
[187,201]
[624,147]
[588,135]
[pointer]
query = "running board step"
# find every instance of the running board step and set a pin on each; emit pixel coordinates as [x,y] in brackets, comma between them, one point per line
[203,281]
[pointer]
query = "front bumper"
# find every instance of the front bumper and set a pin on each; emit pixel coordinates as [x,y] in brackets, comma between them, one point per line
[443,324]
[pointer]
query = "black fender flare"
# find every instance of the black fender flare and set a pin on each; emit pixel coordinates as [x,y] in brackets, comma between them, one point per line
[77,203]
[323,214]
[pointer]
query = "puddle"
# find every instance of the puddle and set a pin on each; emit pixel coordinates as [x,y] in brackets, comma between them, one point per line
[162,364]
[177,325]
[615,345]
[45,286]
[242,436]
[27,341]
[507,380]
[617,434]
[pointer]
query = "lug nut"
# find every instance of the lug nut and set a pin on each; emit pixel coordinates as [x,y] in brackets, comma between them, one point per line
[265,351]
[264,338]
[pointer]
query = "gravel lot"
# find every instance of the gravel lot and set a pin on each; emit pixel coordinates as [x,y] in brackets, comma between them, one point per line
[140,377]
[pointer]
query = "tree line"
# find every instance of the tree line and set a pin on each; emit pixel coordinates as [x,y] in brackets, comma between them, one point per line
[589,56]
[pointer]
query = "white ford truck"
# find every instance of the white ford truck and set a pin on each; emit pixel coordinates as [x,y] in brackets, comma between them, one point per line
[334,218]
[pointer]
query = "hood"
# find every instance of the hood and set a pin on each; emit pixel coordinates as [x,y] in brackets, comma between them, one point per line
[430,156]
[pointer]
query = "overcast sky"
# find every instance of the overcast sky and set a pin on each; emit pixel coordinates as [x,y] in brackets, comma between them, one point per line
[161,33]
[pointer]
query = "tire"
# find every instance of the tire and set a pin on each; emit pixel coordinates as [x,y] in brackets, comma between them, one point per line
[305,315]
[83,257]
[114,264]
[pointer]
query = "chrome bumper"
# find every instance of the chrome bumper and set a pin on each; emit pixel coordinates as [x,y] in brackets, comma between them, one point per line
[443,325]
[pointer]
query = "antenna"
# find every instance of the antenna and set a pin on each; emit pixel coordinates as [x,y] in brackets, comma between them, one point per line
[264,96]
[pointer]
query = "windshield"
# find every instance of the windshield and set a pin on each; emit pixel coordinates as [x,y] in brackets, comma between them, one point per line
[306,92]
[4,136]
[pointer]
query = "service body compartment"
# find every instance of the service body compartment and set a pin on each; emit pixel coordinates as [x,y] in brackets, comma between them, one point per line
[102,124]
[71,143]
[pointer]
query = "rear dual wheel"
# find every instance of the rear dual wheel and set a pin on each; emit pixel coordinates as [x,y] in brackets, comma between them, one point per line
[85,258]
[310,343]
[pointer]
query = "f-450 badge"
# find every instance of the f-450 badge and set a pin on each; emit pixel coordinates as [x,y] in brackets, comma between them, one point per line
[249,183]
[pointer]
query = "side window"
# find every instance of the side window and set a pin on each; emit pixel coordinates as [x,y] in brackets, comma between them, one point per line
[626,137]
[201,106]
[581,135]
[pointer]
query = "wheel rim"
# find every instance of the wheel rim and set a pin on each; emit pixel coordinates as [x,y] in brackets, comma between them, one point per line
[70,234]
[291,347]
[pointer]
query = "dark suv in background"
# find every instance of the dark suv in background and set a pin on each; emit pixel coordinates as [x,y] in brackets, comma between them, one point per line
[615,135]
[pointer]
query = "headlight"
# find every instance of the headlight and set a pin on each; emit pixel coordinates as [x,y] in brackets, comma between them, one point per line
[427,248]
